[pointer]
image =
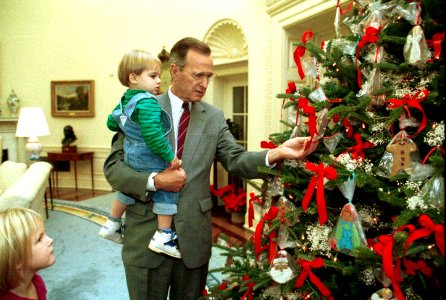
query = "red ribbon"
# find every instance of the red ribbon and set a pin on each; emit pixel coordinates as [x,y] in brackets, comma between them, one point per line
[268,217]
[421,266]
[358,149]
[306,107]
[407,102]
[429,227]
[320,173]
[432,151]
[371,36]
[385,248]
[346,9]
[306,272]
[249,294]
[300,52]
[437,40]
[291,88]
[267,145]
[253,198]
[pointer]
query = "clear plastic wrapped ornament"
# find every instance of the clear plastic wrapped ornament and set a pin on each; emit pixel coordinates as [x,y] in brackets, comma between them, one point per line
[285,206]
[383,294]
[375,84]
[309,66]
[317,95]
[432,192]
[280,269]
[415,48]
[348,232]
[332,142]
[410,12]
[348,187]
[321,123]
[376,55]
[400,155]
[421,171]
[347,47]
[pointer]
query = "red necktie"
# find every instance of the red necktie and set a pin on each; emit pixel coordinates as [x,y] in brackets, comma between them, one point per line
[182,128]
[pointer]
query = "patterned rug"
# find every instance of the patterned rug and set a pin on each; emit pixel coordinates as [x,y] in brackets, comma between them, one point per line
[88,266]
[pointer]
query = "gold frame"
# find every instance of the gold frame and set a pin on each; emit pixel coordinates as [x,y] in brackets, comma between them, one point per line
[72,98]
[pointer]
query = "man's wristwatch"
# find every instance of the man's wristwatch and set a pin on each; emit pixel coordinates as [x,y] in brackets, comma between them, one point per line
[151,182]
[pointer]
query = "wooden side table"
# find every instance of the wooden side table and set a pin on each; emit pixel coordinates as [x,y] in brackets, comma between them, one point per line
[74,157]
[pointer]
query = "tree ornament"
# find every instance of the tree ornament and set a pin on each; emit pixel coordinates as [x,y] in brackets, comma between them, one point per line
[401,149]
[280,270]
[383,294]
[415,49]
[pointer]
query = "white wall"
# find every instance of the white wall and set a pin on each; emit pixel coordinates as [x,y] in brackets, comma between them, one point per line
[45,40]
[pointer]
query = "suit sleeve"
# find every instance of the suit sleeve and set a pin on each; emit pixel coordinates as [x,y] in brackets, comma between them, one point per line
[122,177]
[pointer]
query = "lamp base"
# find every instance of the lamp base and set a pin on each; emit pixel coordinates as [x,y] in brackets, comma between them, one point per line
[33,147]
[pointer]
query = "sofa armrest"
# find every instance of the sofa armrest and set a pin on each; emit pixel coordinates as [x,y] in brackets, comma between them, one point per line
[29,190]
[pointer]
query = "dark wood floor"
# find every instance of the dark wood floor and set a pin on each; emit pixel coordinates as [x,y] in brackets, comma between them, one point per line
[221,221]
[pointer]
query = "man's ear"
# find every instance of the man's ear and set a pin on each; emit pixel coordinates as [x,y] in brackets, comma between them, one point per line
[174,70]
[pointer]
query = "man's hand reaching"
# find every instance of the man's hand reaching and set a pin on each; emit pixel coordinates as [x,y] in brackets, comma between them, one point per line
[292,149]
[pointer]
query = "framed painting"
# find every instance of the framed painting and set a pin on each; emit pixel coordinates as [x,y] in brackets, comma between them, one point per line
[72,98]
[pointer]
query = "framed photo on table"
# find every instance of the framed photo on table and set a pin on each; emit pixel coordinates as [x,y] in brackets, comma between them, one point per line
[72,98]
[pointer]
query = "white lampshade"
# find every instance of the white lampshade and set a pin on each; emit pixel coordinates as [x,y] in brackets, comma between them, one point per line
[32,124]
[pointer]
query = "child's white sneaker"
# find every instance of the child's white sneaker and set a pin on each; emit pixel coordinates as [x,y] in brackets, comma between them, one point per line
[111,230]
[162,242]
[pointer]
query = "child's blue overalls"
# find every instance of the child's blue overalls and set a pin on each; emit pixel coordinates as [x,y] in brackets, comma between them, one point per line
[139,157]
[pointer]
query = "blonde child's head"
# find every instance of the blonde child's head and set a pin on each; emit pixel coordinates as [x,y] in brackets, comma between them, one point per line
[19,230]
[136,61]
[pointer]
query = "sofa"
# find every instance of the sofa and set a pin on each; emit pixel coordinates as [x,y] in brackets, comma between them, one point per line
[22,186]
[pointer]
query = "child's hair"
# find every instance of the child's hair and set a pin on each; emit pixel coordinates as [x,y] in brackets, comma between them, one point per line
[17,226]
[136,61]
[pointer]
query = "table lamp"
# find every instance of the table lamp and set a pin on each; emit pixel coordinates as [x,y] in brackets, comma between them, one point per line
[32,124]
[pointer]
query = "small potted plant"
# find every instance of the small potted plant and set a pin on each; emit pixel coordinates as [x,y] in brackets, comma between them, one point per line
[234,201]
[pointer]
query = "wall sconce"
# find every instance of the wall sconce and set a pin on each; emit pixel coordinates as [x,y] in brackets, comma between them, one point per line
[32,124]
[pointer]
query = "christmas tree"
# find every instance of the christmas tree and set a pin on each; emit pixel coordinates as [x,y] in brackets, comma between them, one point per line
[363,216]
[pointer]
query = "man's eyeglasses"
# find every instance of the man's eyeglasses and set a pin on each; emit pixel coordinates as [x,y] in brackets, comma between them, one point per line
[200,76]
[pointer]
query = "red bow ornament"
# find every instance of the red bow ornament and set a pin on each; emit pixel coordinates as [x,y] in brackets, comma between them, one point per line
[252,200]
[249,294]
[306,272]
[406,102]
[429,227]
[268,218]
[371,36]
[385,248]
[437,40]
[300,52]
[306,107]
[320,172]
[358,150]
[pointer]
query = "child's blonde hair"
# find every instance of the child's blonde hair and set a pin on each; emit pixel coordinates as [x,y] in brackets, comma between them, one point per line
[17,226]
[136,61]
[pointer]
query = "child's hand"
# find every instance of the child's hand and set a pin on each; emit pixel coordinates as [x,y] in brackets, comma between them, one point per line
[175,163]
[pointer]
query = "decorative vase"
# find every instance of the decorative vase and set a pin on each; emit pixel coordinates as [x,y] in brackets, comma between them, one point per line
[237,217]
[13,103]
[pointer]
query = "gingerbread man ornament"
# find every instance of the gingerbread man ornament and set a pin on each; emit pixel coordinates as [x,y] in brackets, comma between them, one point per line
[401,151]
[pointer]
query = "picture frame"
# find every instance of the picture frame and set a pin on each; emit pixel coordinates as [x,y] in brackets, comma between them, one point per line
[72,98]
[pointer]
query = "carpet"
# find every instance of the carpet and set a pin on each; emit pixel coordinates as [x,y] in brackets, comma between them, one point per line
[88,266]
